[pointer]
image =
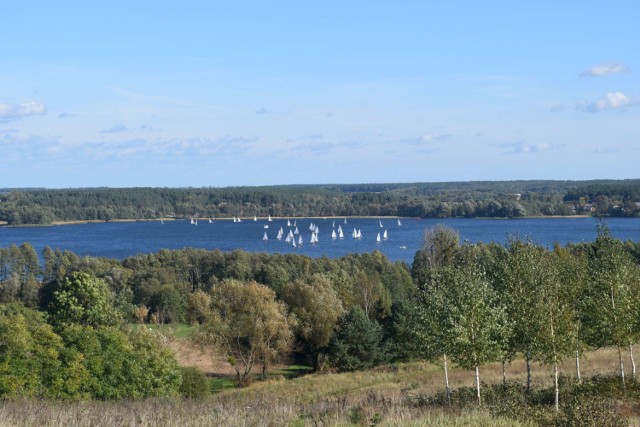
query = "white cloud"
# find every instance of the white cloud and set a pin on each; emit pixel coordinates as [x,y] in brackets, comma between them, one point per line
[10,111]
[426,139]
[612,101]
[523,147]
[605,69]
[115,129]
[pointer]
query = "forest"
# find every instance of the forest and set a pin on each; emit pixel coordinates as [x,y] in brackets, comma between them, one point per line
[505,199]
[74,327]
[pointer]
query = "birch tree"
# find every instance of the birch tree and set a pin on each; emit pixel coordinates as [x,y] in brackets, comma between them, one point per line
[556,337]
[475,325]
[611,306]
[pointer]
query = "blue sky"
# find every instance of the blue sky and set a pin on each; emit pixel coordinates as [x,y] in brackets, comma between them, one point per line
[258,93]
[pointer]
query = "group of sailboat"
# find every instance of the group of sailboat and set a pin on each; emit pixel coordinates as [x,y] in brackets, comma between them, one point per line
[294,238]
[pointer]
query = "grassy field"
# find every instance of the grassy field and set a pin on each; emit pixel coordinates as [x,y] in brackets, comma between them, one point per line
[385,396]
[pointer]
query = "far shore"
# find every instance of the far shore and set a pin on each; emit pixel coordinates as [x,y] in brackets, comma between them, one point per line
[250,219]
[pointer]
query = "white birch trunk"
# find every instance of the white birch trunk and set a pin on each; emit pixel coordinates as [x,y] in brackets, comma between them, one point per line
[447,390]
[504,372]
[555,383]
[621,365]
[478,385]
[633,362]
[578,377]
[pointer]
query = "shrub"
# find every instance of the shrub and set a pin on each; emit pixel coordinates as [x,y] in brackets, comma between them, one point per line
[195,384]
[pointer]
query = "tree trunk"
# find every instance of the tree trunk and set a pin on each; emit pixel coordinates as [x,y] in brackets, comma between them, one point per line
[504,373]
[478,385]
[555,383]
[528,373]
[447,390]
[621,365]
[633,362]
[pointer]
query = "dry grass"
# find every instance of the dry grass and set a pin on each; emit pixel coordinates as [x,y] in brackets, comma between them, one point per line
[378,396]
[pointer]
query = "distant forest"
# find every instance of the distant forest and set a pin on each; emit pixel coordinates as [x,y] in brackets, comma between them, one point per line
[502,199]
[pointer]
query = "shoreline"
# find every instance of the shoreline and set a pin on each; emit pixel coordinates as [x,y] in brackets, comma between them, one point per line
[250,219]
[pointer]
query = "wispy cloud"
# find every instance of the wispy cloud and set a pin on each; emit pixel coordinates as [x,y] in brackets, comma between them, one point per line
[604,150]
[11,111]
[524,147]
[65,115]
[605,69]
[261,111]
[557,108]
[426,139]
[612,101]
[115,129]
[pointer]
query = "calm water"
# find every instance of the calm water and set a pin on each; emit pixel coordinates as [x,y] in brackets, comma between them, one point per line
[120,240]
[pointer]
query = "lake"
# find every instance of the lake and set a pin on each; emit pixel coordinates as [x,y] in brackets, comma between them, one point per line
[122,239]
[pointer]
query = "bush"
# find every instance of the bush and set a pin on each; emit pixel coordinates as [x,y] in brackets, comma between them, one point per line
[195,384]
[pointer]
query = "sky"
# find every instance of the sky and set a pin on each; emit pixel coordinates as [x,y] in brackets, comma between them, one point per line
[209,93]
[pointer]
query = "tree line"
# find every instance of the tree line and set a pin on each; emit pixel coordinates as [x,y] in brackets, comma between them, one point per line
[510,199]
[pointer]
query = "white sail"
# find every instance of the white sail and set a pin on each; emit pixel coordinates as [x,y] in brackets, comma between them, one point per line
[279,236]
[340,235]
[293,243]
[312,227]
[380,222]
[354,234]
[196,223]
[287,239]
[192,221]
[294,223]
[359,236]
[339,229]
[300,240]
[266,226]
[378,238]
[210,220]
[269,218]
[399,223]
[345,220]
[255,218]
[290,234]
[333,235]
[333,224]
[384,236]
[296,231]
[288,223]
[265,237]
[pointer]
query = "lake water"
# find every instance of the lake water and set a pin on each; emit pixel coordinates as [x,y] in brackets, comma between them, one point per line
[122,239]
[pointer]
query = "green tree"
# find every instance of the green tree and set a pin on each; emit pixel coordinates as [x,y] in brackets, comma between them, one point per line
[84,300]
[317,309]
[357,344]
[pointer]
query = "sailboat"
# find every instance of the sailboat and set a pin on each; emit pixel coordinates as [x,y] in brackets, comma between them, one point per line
[210,220]
[280,233]
[345,220]
[293,243]
[296,231]
[269,219]
[340,235]
[300,240]
[333,234]
[255,218]
[265,238]
[378,238]
[294,223]
[384,236]
[196,223]
[399,223]
[359,235]
[333,224]
[354,234]
[380,222]
[288,223]
[192,222]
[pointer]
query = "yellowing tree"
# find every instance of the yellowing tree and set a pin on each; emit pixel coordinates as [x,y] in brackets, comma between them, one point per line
[249,325]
